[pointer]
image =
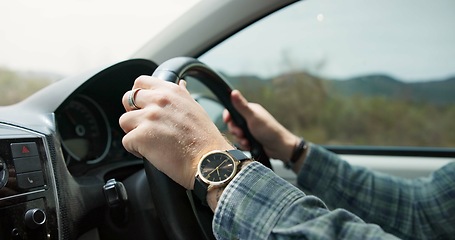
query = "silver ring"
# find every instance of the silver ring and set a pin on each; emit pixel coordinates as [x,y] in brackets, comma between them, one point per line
[131,101]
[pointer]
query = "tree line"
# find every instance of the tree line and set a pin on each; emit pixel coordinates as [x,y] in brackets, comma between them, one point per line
[312,107]
[15,86]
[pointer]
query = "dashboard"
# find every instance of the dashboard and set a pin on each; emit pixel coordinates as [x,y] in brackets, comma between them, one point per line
[58,150]
[85,131]
[27,186]
[87,121]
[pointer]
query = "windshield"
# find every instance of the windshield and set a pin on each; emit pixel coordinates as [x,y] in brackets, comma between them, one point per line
[44,41]
[352,72]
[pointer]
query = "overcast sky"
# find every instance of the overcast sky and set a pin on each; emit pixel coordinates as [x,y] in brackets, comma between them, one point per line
[411,40]
[70,36]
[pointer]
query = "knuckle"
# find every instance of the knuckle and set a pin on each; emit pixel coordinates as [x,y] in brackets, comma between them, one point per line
[162,99]
[126,142]
[152,114]
[125,99]
[122,122]
[141,80]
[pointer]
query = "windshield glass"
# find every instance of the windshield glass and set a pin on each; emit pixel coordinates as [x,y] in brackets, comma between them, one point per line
[44,41]
[351,72]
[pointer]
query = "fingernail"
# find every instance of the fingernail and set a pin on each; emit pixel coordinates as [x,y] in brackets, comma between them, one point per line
[183,82]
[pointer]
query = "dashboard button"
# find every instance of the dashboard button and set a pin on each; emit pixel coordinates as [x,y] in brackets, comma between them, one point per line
[26,149]
[27,164]
[30,180]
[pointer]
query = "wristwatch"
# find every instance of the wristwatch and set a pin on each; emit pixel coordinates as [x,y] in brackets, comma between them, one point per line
[216,169]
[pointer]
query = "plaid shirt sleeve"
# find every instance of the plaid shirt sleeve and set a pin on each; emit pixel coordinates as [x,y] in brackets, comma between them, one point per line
[258,204]
[422,208]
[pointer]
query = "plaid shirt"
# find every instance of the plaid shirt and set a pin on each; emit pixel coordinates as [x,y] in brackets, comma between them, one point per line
[258,204]
[422,208]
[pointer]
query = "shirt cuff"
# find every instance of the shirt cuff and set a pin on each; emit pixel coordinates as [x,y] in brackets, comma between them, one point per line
[318,170]
[252,203]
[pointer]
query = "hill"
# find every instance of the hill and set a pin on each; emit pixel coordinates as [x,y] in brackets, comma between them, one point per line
[438,92]
[16,86]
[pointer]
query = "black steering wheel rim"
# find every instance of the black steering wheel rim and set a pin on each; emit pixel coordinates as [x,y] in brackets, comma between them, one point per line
[181,218]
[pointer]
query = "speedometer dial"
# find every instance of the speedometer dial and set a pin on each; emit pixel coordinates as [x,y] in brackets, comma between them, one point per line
[84,130]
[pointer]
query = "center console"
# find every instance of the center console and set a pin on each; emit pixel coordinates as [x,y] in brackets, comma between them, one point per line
[28,200]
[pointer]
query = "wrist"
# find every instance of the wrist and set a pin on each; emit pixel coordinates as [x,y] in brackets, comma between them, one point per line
[298,155]
[216,169]
[195,161]
[214,195]
[298,165]
[288,142]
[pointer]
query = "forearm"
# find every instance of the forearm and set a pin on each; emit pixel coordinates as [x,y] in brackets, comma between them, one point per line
[397,205]
[341,185]
[258,204]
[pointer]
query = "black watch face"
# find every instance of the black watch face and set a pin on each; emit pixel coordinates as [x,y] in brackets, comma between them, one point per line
[217,167]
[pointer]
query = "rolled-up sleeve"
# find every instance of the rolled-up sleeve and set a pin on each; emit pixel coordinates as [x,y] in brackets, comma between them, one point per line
[258,204]
[421,208]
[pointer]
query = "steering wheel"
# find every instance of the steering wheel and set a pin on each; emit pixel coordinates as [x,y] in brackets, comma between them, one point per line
[182,214]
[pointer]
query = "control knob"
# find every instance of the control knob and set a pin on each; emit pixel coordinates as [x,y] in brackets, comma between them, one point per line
[35,218]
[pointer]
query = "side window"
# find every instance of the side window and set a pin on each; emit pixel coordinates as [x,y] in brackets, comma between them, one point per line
[354,72]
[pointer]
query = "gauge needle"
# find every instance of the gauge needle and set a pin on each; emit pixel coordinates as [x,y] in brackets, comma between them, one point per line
[70,117]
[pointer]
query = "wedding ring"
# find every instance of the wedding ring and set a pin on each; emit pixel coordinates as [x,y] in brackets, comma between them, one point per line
[131,99]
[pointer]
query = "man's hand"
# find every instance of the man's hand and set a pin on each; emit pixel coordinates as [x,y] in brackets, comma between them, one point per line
[171,130]
[277,141]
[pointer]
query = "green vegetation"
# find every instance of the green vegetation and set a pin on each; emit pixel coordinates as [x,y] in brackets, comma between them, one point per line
[372,110]
[321,111]
[15,87]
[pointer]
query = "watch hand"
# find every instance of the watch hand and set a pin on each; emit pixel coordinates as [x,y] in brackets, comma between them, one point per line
[217,169]
[212,171]
[222,163]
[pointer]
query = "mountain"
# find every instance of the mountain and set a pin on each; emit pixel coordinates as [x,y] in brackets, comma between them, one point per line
[437,92]
[440,92]
[374,85]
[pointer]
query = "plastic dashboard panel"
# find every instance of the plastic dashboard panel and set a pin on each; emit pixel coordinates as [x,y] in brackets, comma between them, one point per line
[28,198]
[39,197]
